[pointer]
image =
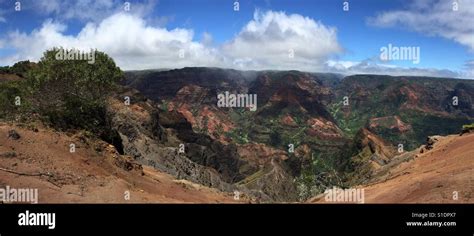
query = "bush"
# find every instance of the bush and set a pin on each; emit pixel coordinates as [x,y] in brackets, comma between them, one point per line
[20,68]
[72,94]
[8,92]
[468,127]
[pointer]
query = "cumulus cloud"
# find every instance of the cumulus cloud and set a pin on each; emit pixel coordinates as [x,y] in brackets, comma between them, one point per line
[127,38]
[263,43]
[434,18]
[271,37]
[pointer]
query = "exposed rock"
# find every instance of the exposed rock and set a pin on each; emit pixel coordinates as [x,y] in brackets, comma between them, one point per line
[273,183]
[372,154]
[288,120]
[430,142]
[323,128]
[152,142]
[128,164]
[8,154]
[12,134]
[153,137]
[390,122]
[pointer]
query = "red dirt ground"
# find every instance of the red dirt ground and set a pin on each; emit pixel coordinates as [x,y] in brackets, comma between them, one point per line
[87,176]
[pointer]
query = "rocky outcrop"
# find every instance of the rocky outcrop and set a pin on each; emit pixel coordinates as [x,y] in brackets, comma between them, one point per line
[166,141]
[149,142]
[389,122]
[372,153]
[273,183]
[13,134]
[430,143]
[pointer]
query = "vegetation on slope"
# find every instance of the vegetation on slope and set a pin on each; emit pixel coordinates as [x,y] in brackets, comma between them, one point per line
[66,94]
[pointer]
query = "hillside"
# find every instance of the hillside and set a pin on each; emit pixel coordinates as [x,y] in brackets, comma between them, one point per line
[403,110]
[435,175]
[95,173]
[337,144]
[301,139]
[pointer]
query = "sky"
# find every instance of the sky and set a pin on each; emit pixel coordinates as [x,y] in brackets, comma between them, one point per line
[340,36]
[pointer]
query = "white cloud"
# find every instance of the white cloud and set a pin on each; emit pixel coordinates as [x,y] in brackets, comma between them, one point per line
[434,18]
[207,39]
[469,68]
[127,38]
[263,43]
[370,66]
[267,41]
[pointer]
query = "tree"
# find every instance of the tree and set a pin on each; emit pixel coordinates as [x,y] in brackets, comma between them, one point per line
[72,93]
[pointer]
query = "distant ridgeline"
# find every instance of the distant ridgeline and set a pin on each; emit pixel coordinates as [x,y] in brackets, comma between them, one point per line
[403,110]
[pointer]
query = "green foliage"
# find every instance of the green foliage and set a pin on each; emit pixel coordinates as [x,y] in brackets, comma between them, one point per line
[326,170]
[67,94]
[205,124]
[9,91]
[244,127]
[471,126]
[19,68]
[316,180]
[238,136]
[468,127]
[425,125]
[76,77]
[164,105]
[275,138]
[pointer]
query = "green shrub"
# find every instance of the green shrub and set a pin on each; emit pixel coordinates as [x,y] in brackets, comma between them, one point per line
[72,94]
[9,91]
[468,127]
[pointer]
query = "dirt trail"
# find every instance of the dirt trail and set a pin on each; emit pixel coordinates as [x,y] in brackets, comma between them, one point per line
[90,175]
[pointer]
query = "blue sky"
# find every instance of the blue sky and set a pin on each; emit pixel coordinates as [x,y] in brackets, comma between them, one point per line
[320,34]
